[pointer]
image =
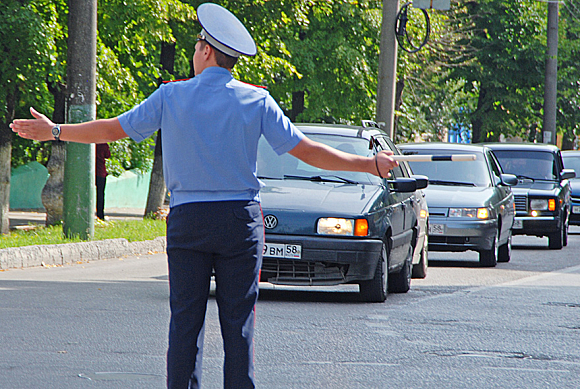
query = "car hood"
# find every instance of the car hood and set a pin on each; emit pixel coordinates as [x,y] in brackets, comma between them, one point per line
[525,187]
[320,197]
[457,196]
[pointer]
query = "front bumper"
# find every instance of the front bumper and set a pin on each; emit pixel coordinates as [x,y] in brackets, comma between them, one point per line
[575,211]
[536,226]
[461,235]
[324,261]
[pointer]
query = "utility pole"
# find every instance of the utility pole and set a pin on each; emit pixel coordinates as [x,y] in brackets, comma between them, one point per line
[387,68]
[551,76]
[79,171]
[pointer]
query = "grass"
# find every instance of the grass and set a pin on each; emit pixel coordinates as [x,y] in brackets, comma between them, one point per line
[132,230]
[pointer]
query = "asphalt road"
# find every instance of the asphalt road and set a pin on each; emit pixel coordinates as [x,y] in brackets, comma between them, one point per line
[104,325]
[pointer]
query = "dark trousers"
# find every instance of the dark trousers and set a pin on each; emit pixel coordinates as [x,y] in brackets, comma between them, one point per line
[227,237]
[100,183]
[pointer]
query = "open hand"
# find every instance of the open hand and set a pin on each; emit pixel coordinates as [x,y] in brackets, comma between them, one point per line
[39,128]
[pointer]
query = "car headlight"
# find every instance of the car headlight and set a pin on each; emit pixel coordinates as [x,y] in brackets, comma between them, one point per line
[339,226]
[474,213]
[543,204]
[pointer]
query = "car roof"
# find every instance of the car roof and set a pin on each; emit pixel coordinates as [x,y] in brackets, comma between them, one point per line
[522,146]
[341,130]
[467,147]
[571,152]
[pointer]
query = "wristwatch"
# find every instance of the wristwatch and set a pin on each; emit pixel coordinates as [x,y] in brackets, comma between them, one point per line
[56,132]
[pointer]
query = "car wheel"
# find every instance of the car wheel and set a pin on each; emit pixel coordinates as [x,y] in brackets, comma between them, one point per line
[420,269]
[488,258]
[504,253]
[401,282]
[375,290]
[556,240]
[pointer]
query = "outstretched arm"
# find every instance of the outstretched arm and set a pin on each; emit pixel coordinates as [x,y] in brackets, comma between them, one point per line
[326,157]
[96,131]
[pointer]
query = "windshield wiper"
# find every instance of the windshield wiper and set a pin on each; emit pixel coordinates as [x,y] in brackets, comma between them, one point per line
[534,179]
[324,178]
[451,183]
[520,176]
[269,178]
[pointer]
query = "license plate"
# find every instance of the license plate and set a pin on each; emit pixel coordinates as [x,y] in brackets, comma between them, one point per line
[282,250]
[576,209]
[518,224]
[436,229]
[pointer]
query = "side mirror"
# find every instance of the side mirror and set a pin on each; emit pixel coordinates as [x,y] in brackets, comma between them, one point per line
[403,185]
[567,174]
[422,181]
[508,179]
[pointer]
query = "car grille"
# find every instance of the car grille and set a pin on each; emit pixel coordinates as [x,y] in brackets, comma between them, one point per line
[291,272]
[452,240]
[521,202]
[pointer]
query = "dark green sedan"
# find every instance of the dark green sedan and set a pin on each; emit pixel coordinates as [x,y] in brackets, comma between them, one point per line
[337,227]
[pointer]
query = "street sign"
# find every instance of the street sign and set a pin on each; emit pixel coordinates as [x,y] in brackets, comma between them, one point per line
[432,4]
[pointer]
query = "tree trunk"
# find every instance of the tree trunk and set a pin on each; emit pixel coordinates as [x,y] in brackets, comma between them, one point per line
[477,119]
[297,105]
[400,85]
[157,189]
[52,193]
[5,161]
[5,158]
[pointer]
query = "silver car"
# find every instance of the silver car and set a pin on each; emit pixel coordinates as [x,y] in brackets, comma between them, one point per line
[471,205]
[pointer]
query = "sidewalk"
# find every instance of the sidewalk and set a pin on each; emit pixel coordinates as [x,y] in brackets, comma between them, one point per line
[70,253]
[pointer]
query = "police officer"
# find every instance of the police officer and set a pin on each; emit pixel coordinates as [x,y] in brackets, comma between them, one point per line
[211,125]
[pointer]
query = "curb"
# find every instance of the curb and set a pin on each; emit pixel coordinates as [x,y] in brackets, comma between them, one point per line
[70,253]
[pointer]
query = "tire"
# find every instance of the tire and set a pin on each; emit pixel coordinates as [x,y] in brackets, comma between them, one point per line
[556,240]
[420,269]
[565,237]
[401,282]
[504,253]
[488,258]
[375,290]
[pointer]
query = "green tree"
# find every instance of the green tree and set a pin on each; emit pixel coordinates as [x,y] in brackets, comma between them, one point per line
[26,56]
[507,70]
[568,115]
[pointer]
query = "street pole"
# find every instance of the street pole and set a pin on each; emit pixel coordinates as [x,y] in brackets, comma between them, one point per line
[551,76]
[79,172]
[387,68]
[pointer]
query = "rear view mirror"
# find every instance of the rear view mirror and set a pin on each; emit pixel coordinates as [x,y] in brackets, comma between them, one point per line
[403,185]
[422,181]
[508,179]
[567,174]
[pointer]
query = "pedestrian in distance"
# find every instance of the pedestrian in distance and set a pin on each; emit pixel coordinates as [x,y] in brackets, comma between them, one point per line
[210,130]
[102,152]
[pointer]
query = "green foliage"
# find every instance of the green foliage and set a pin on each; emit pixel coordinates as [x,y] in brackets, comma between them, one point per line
[508,64]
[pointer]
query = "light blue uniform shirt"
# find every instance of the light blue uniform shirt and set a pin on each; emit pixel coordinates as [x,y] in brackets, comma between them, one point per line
[210,126]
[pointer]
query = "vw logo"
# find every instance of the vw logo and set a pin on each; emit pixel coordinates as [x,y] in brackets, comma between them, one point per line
[270,221]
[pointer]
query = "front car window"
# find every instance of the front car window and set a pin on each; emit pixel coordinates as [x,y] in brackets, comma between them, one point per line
[572,162]
[535,165]
[473,173]
[272,165]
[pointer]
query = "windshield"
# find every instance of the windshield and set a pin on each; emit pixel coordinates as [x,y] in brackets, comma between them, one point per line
[572,162]
[535,165]
[467,173]
[285,166]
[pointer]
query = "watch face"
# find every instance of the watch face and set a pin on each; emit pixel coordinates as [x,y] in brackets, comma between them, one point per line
[56,131]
